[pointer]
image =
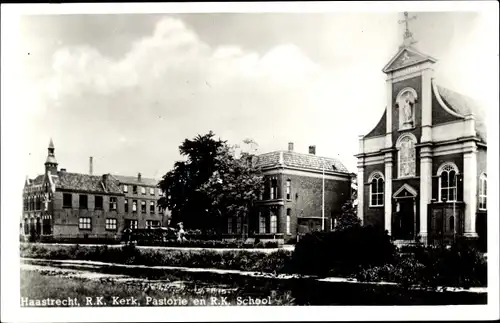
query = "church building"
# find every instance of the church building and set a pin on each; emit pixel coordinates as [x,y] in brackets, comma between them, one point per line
[422,172]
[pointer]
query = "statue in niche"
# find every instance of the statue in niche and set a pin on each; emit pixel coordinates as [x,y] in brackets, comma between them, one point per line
[406,103]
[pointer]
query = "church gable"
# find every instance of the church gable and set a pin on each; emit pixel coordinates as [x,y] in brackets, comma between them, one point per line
[406,56]
[405,191]
[380,128]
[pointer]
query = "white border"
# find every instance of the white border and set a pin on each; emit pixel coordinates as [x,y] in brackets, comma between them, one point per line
[12,134]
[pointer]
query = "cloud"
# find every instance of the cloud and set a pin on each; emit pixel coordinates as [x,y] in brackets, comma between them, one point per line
[172,85]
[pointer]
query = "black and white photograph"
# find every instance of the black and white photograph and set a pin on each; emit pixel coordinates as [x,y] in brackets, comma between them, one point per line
[232,161]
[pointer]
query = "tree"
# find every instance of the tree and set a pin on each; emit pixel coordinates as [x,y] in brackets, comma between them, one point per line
[181,184]
[234,186]
[348,217]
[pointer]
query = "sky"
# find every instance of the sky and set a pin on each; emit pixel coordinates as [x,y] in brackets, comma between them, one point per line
[127,89]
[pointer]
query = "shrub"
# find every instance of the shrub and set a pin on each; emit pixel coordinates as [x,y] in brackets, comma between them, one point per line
[342,252]
[460,266]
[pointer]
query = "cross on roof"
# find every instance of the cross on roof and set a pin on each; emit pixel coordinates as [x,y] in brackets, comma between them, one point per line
[408,36]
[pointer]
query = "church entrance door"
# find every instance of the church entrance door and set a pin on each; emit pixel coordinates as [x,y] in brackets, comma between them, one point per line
[404,220]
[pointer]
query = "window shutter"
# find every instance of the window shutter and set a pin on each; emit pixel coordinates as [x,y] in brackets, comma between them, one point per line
[435,187]
[460,188]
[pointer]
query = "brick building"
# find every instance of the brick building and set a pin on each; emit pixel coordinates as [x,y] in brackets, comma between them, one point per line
[61,204]
[422,168]
[292,201]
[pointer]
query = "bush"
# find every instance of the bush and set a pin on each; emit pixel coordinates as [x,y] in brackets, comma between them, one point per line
[462,265]
[342,252]
[129,254]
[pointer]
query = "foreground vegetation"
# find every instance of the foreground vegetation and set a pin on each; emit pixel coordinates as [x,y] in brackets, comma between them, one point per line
[362,253]
[191,286]
[234,259]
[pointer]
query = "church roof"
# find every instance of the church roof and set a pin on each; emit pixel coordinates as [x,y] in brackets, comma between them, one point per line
[135,180]
[464,105]
[304,161]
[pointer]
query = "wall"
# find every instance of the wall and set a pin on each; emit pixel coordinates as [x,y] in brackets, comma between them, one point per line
[65,219]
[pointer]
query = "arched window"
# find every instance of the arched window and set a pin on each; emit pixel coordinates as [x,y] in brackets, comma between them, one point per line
[406,155]
[376,181]
[448,182]
[482,191]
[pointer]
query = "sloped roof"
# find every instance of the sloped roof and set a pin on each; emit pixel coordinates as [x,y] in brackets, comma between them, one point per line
[85,182]
[135,180]
[305,161]
[464,105]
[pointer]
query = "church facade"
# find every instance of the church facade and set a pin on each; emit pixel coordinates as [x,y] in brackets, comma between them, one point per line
[422,172]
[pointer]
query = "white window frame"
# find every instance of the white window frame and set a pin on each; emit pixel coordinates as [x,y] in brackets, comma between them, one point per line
[152,207]
[448,167]
[111,224]
[143,190]
[113,203]
[288,190]
[143,207]
[134,205]
[152,191]
[376,175]
[133,224]
[125,188]
[273,224]
[83,224]
[399,142]
[288,226]
[483,192]
[262,224]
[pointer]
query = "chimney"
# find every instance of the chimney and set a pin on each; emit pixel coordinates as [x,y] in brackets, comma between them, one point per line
[139,177]
[91,166]
[312,150]
[290,146]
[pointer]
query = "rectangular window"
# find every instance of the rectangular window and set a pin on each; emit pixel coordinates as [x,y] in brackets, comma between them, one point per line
[125,188]
[274,223]
[38,203]
[152,224]
[83,201]
[274,189]
[482,192]
[159,192]
[134,206]
[98,202]
[151,191]
[151,207]
[262,224]
[143,190]
[85,223]
[112,203]
[238,225]
[230,225]
[111,224]
[67,199]
[143,206]
[134,189]
[126,206]
[288,190]
[25,204]
[131,224]
[288,231]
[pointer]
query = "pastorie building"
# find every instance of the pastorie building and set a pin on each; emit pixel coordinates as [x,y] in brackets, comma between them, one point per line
[422,169]
[65,205]
[302,193]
